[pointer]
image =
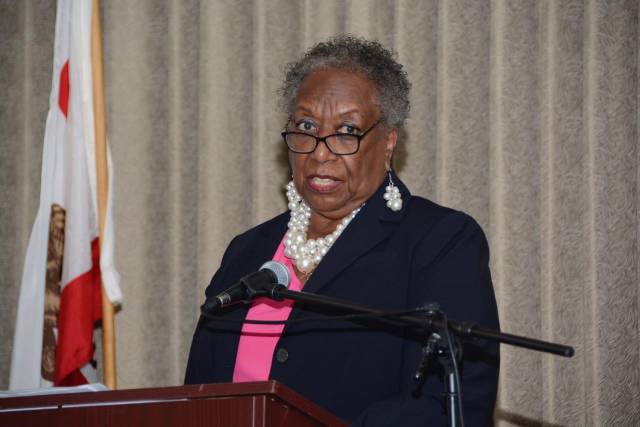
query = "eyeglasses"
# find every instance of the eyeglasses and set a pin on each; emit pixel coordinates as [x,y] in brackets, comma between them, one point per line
[341,144]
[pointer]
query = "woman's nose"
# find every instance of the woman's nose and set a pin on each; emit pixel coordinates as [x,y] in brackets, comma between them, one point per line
[322,152]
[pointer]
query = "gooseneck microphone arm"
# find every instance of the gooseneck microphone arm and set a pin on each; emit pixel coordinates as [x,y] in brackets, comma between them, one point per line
[425,321]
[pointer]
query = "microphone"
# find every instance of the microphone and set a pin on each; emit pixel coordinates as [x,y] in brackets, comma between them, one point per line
[265,281]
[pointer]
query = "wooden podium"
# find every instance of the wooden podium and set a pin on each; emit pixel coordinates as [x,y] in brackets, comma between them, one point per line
[247,404]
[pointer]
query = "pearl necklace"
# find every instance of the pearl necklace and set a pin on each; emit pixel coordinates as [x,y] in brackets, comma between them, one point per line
[307,254]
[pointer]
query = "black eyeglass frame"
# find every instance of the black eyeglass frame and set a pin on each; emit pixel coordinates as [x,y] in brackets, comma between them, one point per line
[324,139]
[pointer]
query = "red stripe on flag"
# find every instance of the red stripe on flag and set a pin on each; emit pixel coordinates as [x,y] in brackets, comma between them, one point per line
[80,308]
[63,93]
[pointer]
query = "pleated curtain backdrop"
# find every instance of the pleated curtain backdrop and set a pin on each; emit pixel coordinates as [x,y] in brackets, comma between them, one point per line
[524,114]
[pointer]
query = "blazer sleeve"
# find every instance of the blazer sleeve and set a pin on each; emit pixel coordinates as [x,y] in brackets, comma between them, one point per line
[451,267]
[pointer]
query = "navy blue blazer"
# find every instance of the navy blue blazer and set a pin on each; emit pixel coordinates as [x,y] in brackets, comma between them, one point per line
[362,372]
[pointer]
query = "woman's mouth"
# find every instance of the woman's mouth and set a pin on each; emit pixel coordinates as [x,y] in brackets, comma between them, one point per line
[323,183]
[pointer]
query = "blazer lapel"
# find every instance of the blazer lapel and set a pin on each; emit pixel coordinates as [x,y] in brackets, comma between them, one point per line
[266,245]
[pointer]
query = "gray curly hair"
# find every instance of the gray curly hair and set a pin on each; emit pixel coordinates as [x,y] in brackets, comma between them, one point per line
[356,54]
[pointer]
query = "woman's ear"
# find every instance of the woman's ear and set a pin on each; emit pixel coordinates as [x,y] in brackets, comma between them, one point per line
[390,141]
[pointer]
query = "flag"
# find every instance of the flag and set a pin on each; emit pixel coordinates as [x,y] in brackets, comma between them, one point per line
[60,295]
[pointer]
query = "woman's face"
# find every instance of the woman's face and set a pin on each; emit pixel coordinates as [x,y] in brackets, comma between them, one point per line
[331,101]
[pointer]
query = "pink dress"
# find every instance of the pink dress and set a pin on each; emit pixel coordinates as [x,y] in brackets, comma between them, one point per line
[258,342]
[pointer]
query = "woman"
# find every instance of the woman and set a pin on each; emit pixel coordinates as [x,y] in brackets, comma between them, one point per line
[354,232]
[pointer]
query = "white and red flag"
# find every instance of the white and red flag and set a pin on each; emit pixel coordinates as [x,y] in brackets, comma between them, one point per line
[60,297]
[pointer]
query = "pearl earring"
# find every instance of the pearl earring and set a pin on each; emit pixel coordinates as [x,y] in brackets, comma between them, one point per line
[392,196]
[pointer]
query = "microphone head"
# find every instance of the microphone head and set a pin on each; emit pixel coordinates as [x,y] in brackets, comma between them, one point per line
[279,271]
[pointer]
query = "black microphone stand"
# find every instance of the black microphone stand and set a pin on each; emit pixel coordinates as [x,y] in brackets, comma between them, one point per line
[439,333]
[437,329]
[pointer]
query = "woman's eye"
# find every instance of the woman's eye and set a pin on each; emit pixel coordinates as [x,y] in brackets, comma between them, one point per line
[348,129]
[306,126]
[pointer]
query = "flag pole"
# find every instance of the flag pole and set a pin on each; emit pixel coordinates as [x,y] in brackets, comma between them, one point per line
[108,327]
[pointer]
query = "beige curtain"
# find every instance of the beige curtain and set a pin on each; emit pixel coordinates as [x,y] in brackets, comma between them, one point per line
[524,114]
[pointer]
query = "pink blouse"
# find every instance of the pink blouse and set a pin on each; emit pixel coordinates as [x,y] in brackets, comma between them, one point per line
[258,342]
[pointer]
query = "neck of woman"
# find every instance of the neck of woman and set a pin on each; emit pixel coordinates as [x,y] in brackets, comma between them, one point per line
[320,226]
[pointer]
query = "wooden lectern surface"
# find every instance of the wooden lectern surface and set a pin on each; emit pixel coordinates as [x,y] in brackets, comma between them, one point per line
[247,404]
